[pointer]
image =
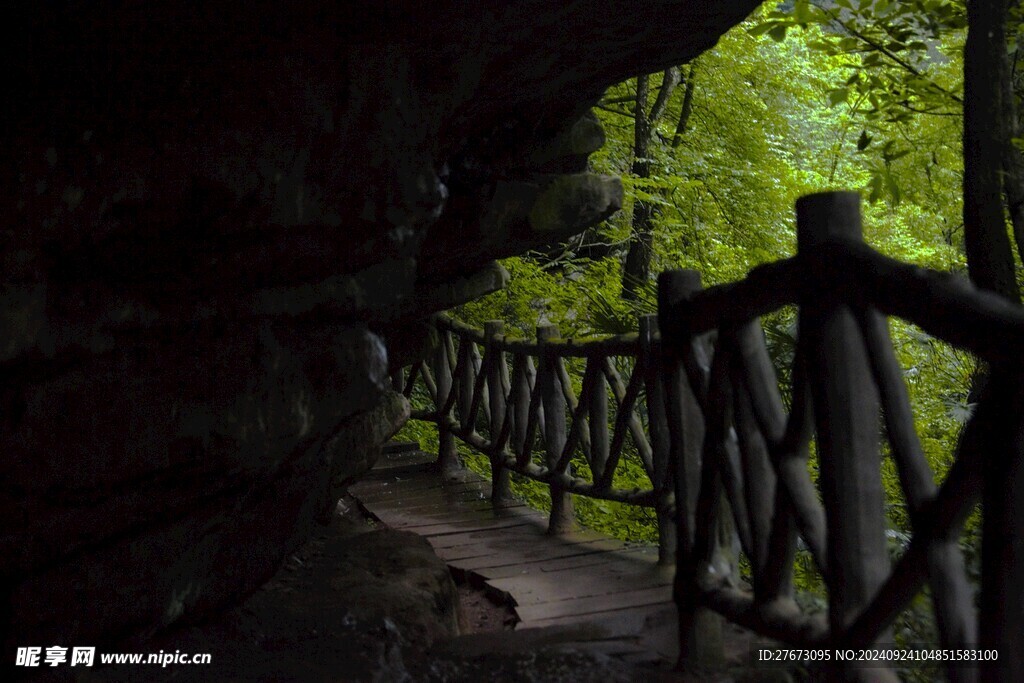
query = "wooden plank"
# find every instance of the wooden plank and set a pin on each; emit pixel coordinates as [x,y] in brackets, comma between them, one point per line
[440,511]
[500,559]
[618,563]
[653,629]
[412,489]
[485,519]
[462,518]
[372,487]
[389,497]
[595,604]
[448,528]
[512,545]
[575,562]
[411,485]
[570,584]
[629,621]
[521,534]
[526,554]
[622,563]
[519,546]
[528,528]
[412,461]
[458,502]
[408,495]
[525,540]
[638,554]
[427,472]
[437,508]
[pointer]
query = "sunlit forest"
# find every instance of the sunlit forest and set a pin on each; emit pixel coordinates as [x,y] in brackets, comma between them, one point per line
[803,97]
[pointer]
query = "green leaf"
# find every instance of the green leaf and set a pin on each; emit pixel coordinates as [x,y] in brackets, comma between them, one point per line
[778,34]
[849,43]
[872,59]
[875,184]
[802,12]
[863,141]
[762,28]
[893,187]
[838,96]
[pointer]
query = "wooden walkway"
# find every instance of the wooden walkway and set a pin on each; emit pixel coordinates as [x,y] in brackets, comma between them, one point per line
[615,591]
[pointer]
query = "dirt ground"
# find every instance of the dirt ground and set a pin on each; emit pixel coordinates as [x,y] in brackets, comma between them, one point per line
[479,613]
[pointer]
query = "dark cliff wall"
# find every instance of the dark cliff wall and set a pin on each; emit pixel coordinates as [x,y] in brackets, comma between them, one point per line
[212,214]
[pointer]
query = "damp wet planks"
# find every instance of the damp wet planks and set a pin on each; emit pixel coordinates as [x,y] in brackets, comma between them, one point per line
[579,577]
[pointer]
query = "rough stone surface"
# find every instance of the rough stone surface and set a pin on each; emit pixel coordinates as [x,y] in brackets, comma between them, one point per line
[354,603]
[150,470]
[207,209]
[357,445]
[357,603]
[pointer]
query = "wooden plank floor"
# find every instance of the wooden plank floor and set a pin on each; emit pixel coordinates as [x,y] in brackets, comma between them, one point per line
[614,588]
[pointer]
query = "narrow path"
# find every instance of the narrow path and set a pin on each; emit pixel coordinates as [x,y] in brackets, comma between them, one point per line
[611,591]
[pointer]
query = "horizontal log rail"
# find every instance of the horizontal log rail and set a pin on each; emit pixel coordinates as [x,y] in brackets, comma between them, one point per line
[742,463]
[564,412]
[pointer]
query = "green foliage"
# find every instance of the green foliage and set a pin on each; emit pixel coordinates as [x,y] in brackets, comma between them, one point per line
[899,66]
[864,94]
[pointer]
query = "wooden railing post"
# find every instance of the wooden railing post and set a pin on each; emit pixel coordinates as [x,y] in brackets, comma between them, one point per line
[497,372]
[846,409]
[1002,545]
[701,644]
[484,397]
[773,529]
[663,480]
[553,401]
[447,454]
[519,402]
[597,403]
[467,378]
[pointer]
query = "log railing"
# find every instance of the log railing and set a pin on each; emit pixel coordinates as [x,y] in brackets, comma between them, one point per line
[746,470]
[729,465]
[518,402]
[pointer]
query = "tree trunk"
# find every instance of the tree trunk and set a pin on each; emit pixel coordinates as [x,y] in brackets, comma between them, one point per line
[987,133]
[986,76]
[638,260]
[1013,163]
[687,108]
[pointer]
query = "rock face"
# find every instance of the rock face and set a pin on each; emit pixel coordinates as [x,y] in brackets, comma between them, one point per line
[211,216]
[353,603]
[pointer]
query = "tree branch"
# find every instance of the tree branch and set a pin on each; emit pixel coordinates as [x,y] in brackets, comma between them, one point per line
[687,108]
[613,110]
[669,81]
